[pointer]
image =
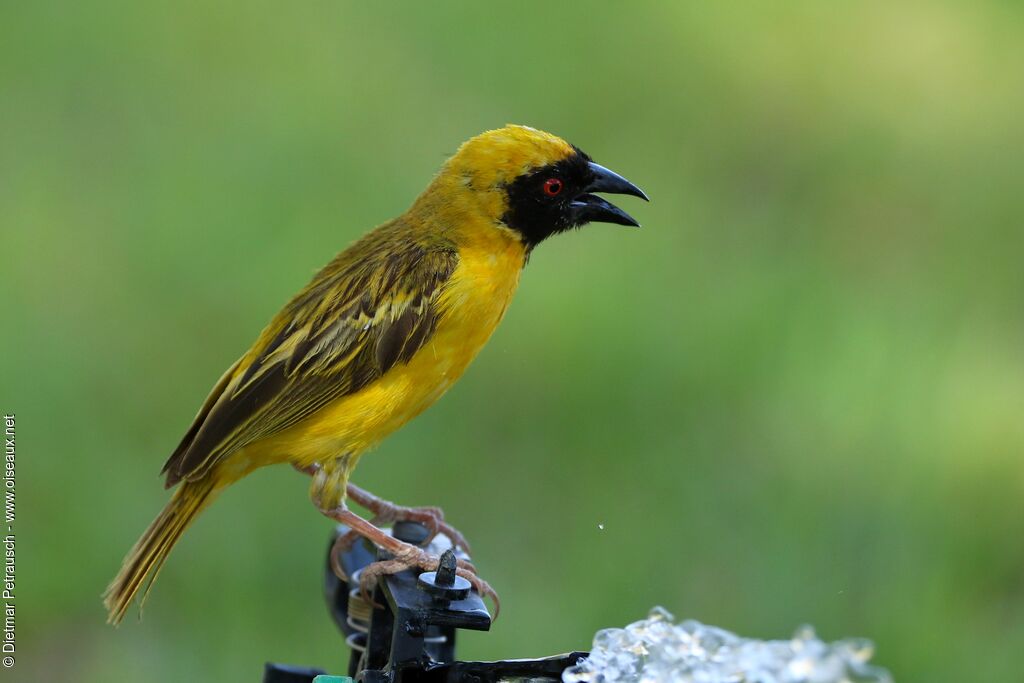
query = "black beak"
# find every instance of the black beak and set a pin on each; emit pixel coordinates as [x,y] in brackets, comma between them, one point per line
[589,208]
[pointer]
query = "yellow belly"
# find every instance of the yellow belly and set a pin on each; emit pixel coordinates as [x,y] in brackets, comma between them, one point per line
[473,302]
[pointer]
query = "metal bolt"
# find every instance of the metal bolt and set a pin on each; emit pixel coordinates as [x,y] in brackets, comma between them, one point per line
[445,574]
[444,583]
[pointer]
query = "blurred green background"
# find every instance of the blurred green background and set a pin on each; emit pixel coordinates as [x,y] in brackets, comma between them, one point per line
[794,396]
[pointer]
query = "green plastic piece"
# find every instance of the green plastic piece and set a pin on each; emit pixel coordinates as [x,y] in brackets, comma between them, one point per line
[332,679]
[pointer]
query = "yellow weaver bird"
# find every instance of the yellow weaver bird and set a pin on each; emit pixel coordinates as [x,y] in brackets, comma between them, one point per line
[379,335]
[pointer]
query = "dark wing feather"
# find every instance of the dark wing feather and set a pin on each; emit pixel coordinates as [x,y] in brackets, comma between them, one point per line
[373,307]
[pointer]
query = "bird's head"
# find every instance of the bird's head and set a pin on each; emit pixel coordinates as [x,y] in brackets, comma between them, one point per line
[537,184]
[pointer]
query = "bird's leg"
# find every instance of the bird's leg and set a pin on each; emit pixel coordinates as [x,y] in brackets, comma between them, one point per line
[404,556]
[330,482]
[385,512]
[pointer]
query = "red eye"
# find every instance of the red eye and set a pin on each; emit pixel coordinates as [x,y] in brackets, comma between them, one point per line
[552,186]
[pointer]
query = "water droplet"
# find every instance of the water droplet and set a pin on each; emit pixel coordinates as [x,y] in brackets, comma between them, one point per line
[658,649]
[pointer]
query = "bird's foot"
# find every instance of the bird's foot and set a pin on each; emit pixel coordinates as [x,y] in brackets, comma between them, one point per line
[412,557]
[403,556]
[385,512]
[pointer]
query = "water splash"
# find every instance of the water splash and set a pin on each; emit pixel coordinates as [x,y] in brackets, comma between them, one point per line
[657,650]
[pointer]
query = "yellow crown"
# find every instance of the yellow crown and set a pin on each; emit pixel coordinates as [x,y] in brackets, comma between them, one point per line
[498,157]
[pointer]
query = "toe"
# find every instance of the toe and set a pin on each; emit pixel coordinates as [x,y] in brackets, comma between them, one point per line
[457,539]
[483,588]
[467,565]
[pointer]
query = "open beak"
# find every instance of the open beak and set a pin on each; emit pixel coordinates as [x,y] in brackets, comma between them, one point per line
[589,208]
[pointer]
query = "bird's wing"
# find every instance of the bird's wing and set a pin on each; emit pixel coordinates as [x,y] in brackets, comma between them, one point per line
[359,317]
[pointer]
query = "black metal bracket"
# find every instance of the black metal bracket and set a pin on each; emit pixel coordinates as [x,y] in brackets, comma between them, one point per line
[408,633]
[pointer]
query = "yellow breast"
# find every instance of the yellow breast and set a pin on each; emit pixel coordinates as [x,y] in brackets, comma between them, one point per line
[473,303]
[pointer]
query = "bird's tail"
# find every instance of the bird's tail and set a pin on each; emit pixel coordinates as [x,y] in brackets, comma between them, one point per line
[148,554]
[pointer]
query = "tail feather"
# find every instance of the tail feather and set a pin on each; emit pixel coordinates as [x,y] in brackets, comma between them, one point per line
[149,553]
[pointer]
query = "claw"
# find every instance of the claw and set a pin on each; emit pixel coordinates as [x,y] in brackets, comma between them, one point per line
[415,557]
[481,587]
[404,556]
